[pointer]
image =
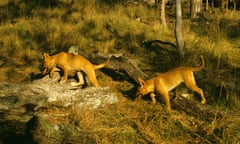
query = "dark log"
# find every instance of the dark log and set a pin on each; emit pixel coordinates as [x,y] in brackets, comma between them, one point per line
[124,64]
[195,108]
[117,62]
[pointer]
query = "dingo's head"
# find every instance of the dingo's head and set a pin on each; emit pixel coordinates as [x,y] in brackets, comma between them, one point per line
[48,63]
[142,89]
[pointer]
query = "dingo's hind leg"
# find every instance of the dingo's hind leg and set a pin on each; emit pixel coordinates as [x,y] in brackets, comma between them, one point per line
[92,77]
[200,92]
[191,84]
[80,80]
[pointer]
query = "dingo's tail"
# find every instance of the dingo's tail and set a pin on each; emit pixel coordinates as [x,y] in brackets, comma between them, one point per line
[102,65]
[201,65]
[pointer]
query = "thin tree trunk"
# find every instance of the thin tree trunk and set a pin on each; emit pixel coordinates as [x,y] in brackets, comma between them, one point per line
[207,5]
[224,5]
[196,8]
[178,30]
[163,18]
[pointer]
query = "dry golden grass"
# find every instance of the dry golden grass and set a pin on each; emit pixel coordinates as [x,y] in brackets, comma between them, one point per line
[84,23]
[141,122]
[4,2]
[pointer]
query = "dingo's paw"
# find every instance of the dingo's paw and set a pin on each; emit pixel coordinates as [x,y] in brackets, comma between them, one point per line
[63,81]
[76,84]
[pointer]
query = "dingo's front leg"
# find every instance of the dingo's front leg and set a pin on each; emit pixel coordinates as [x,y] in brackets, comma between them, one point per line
[65,76]
[165,97]
[152,95]
[54,69]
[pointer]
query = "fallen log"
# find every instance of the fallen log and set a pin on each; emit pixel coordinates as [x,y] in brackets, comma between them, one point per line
[122,64]
[26,98]
[195,108]
[117,63]
[125,65]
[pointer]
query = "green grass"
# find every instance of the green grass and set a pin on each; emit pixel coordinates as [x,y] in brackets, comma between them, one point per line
[40,28]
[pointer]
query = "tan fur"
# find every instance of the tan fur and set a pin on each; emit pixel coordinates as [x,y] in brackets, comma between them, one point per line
[71,63]
[163,83]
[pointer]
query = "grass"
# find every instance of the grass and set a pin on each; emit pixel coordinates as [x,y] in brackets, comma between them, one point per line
[121,28]
[141,122]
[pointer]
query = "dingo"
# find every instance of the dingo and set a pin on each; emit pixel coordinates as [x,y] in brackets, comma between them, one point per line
[163,83]
[71,63]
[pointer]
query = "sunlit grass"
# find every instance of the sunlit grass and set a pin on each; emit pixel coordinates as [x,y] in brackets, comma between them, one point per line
[3,2]
[122,29]
[55,29]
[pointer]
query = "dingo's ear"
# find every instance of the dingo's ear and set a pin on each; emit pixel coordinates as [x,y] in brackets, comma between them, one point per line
[46,55]
[141,82]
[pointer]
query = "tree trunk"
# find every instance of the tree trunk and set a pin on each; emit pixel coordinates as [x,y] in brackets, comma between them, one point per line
[224,5]
[178,30]
[207,5]
[163,15]
[196,8]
